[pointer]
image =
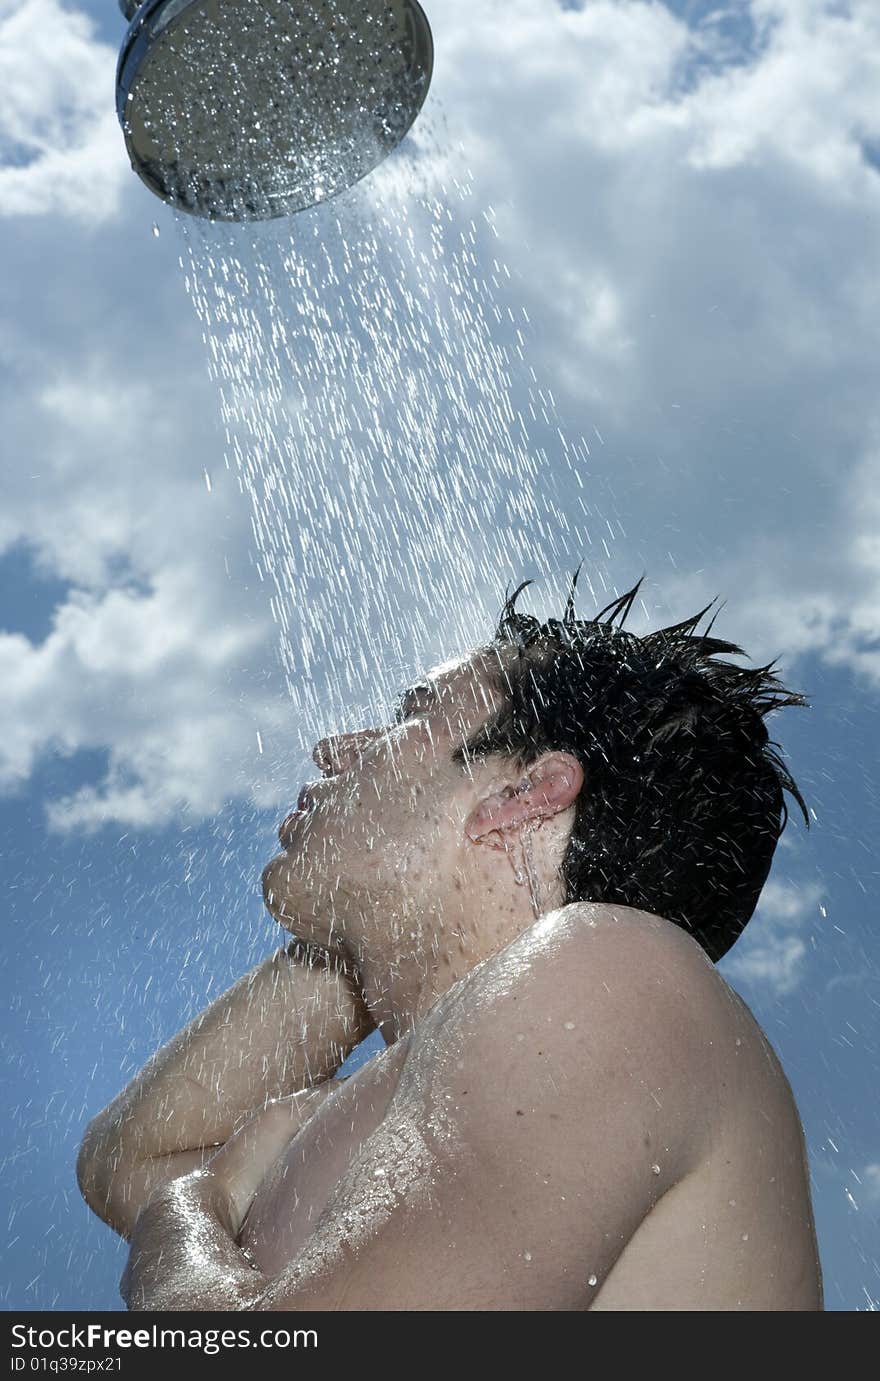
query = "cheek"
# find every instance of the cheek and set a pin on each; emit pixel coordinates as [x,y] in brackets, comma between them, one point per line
[342,815]
[402,799]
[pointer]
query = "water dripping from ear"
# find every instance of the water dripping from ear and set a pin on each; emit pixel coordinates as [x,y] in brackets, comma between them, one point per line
[530,869]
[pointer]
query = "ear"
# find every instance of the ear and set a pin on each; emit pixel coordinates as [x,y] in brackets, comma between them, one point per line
[549,786]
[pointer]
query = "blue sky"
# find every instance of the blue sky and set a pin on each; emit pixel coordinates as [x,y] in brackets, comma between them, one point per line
[677,208]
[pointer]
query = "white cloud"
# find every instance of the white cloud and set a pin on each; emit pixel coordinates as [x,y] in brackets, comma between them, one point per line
[805,99]
[788,903]
[155,655]
[61,150]
[769,954]
[702,251]
[142,676]
[775,962]
[870,1178]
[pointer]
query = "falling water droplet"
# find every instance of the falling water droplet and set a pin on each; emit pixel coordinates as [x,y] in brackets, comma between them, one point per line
[655,1169]
[155,230]
[259,741]
[591,1280]
[207,480]
[527,1256]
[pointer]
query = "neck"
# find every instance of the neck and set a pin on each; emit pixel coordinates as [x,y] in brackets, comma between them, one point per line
[401,987]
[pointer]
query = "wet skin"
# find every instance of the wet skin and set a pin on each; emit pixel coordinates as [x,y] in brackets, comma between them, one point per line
[589,1120]
[574,1110]
[406,863]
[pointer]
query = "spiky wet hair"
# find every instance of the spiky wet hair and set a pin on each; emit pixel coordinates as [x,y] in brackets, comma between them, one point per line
[680,809]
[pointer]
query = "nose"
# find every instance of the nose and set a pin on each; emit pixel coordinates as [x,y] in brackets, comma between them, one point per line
[336,752]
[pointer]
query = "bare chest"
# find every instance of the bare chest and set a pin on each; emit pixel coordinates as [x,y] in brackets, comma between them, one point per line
[295,1192]
[735,1234]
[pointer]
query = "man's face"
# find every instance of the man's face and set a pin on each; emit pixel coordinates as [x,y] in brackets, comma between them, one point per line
[372,861]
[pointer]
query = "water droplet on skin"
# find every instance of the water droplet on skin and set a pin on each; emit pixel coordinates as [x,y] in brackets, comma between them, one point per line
[591,1280]
[569,1025]
[655,1169]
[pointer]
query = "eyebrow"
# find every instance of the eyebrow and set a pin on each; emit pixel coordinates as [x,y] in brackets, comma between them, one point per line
[405,702]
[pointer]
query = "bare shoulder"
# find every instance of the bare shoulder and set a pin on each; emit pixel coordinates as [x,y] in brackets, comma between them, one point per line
[605,953]
[646,957]
[609,957]
[642,953]
[589,1006]
[620,929]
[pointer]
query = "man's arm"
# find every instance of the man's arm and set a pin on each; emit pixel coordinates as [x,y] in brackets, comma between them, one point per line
[284,1027]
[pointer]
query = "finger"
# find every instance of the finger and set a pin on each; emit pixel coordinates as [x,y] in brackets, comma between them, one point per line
[244,1161]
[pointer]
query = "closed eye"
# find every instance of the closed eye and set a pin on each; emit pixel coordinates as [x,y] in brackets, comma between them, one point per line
[415,700]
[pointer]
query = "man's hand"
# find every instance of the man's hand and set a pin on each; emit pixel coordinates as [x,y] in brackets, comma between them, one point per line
[240,1166]
[183,1248]
[182,1254]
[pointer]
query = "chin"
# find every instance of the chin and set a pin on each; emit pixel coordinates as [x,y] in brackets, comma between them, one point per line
[276,897]
[295,912]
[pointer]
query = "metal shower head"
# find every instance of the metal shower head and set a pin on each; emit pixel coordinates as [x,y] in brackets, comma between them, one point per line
[242,110]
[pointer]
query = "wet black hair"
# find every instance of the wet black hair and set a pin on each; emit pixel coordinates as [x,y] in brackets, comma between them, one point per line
[680,809]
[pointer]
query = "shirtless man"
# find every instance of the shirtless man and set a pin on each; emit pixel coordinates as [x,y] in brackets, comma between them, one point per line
[523,882]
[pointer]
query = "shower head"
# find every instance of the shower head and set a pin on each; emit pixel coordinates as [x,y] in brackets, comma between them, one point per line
[242,110]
